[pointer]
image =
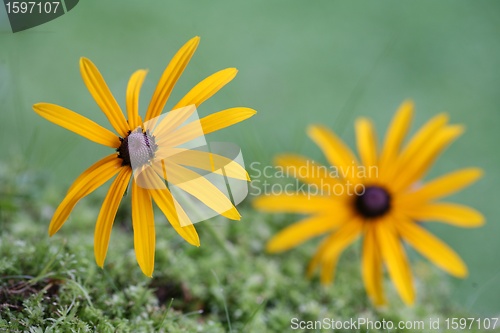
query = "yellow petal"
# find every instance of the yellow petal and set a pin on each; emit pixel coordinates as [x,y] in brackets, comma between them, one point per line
[458,215]
[315,261]
[164,200]
[412,149]
[209,124]
[169,78]
[366,141]
[414,171]
[297,203]
[330,249]
[395,135]
[202,189]
[91,169]
[307,170]
[432,248]
[225,118]
[174,212]
[205,161]
[421,138]
[107,215]
[336,152]
[207,88]
[328,269]
[103,96]
[395,260]
[440,187]
[169,122]
[144,229]
[89,181]
[306,229]
[78,124]
[325,244]
[372,266]
[133,91]
[341,239]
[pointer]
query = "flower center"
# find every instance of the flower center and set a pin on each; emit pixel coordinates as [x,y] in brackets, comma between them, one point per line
[374,202]
[137,148]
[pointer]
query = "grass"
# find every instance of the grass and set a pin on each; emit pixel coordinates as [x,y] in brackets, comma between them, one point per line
[229,284]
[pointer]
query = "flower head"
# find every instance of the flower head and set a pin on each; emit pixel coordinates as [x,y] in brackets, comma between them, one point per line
[379,198]
[143,148]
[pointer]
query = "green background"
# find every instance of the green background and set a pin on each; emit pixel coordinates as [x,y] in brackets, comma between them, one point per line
[299,63]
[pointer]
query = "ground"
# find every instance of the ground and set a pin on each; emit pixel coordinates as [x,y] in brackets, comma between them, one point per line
[229,284]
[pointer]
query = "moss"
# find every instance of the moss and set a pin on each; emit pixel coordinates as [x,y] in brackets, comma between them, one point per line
[228,284]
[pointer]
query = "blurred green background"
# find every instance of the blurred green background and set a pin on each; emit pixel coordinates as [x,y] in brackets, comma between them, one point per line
[299,62]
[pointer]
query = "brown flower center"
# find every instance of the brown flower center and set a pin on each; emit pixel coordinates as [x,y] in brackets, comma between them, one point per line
[137,148]
[374,202]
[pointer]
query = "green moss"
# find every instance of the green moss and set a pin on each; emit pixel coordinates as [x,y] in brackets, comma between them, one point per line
[227,284]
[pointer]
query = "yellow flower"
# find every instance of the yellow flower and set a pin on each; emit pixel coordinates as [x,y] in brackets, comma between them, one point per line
[136,141]
[378,198]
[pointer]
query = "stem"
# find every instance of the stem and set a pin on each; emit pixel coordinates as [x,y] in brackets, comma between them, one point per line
[221,242]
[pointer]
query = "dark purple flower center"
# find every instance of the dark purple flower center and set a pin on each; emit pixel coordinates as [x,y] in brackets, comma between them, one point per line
[137,148]
[374,202]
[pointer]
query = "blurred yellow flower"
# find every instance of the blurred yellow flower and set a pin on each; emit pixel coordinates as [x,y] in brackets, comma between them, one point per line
[136,142]
[377,197]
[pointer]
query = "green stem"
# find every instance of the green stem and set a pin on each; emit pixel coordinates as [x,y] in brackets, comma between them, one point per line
[221,242]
